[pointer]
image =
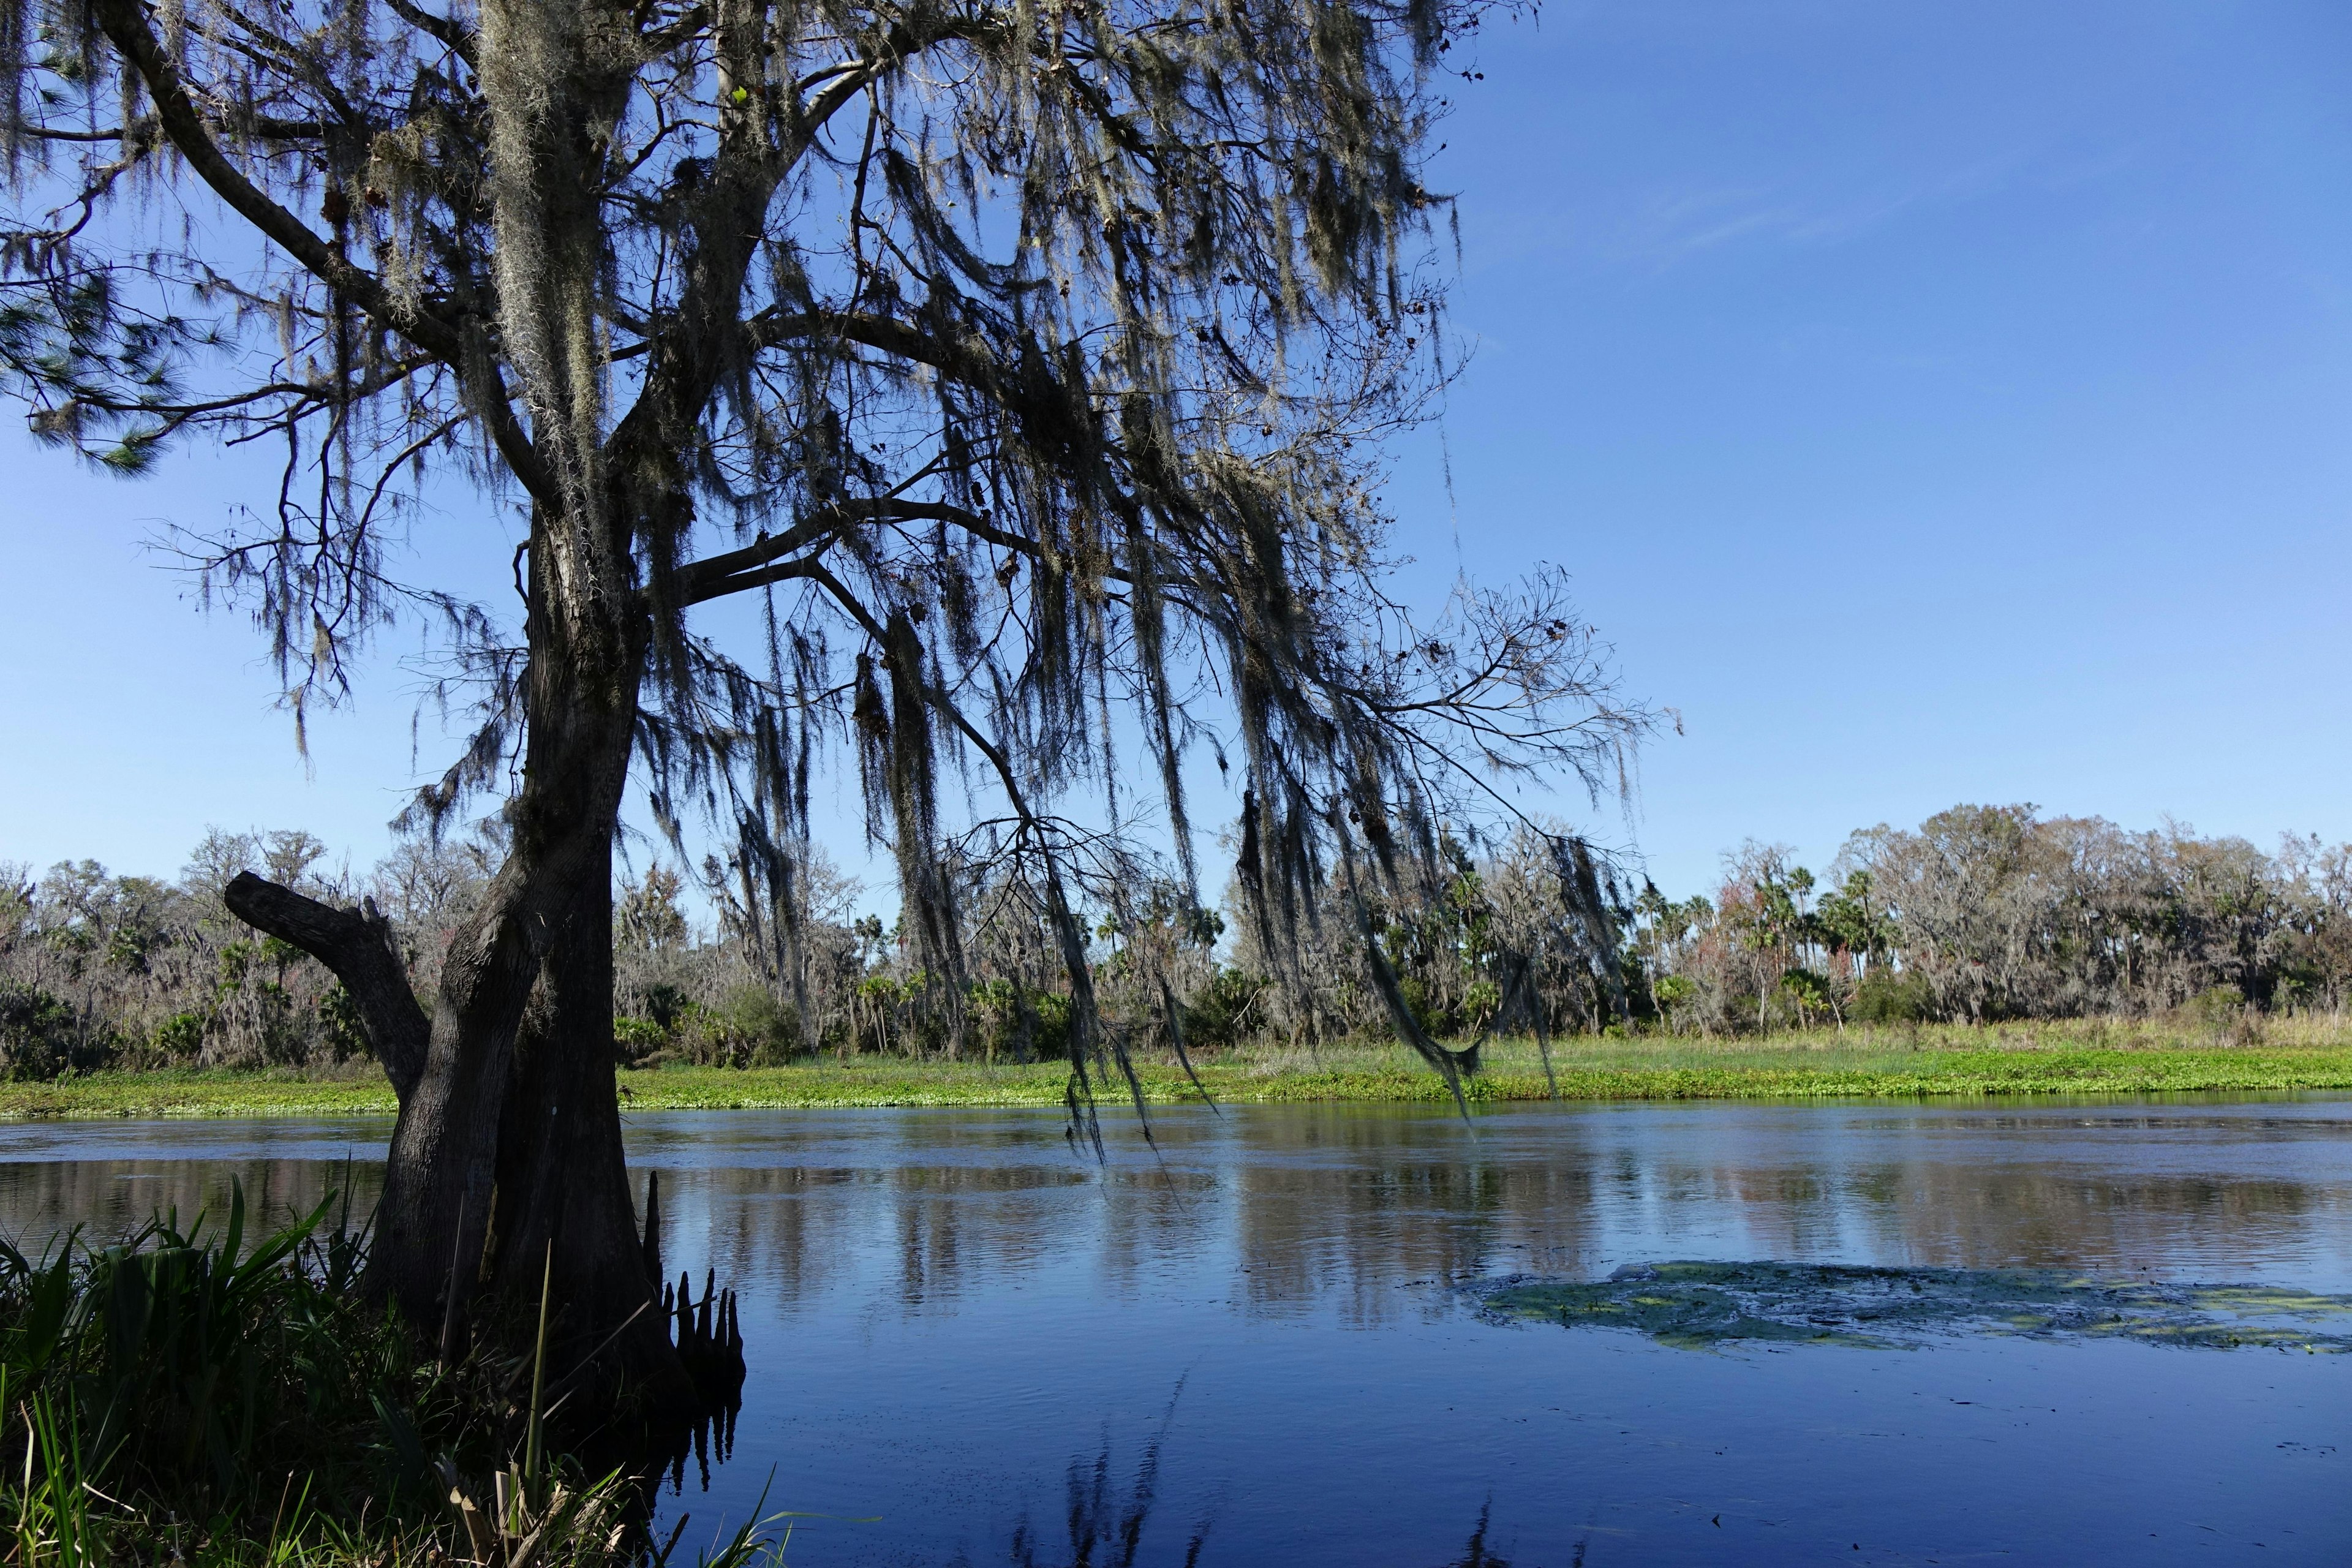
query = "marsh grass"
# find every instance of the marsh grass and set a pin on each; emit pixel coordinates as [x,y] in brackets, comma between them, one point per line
[212,1397]
[2188,1053]
[2091,1056]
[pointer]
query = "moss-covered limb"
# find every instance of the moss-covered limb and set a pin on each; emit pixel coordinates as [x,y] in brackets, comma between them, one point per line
[2087,1058]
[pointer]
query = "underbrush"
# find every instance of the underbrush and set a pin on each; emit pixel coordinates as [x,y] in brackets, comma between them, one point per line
[185,1397]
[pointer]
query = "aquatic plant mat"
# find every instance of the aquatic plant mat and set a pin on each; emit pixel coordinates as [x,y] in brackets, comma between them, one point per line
[1701,1306]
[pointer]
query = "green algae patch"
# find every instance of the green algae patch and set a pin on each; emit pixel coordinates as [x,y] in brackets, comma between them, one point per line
[199,1093]
[1703,1306]
[1937,1062]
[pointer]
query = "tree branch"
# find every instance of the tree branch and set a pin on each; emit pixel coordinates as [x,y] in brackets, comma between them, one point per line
[126,27]
[356,945]
[125,24]
[452,36]
[716,576]
[884,334]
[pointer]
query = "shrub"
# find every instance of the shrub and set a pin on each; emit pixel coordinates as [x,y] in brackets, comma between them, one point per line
[181,1035]
[762,1029]
[2220,1012]
[667,1005]
[635,1039]
[1226,1011]
[996,1011]
[1808,990]
[1886,997]
[340,1025]
[1480,1001]
[37,1035]
[751,1027]
[2215,1007]
[1051,1032]
[1671,992]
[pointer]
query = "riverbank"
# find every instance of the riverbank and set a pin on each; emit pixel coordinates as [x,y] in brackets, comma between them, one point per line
[2068,1058]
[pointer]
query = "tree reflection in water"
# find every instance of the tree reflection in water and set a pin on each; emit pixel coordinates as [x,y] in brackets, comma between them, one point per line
[1105,1529]
[1474,1554]
[1107,1526]
[714,1431]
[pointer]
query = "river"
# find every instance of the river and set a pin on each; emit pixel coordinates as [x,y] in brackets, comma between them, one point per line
[1257,1340]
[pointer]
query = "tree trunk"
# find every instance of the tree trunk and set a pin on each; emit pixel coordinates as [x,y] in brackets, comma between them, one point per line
[508,1140]
[507,1156]
[509,1152]
[512,1142]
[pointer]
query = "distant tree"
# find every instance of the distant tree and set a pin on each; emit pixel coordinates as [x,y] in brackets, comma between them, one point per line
[1762,903]
[1659,939]
[649,916]
[1851,920]
[1019,365]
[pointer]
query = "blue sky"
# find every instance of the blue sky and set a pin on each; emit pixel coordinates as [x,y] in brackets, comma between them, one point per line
[1934,402]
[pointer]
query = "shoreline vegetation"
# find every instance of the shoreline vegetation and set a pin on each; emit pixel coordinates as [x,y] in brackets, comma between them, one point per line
[229,1397]
[2074,1057]
[1991,917]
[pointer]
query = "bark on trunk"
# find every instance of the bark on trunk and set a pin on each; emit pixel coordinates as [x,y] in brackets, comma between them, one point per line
[512,1139]
[509,1138]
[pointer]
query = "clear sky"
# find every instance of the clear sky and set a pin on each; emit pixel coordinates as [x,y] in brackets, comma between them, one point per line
[1935,402]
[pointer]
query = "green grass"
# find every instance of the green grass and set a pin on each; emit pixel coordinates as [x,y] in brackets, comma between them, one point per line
[2087,1057]
[187,1093]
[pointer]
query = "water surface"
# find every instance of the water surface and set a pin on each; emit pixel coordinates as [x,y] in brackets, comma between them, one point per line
[1257,1342]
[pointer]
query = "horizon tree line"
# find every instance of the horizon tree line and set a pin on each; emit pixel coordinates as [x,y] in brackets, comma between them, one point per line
[1981,915]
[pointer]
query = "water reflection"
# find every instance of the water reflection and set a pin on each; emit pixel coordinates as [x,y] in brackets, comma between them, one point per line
[1329,1208]
[710,1440]
[1329,1211]
[939,1307]
[1108,1508]
[41,1200]
[1106,1524]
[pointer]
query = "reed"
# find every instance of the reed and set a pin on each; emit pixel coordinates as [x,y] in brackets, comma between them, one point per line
[221,1400]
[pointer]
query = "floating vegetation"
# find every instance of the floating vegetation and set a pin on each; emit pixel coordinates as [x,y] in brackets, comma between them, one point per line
[1703,1305]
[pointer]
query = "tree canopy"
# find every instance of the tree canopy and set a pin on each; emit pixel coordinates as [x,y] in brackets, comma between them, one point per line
[1029,362]
[1026,368]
